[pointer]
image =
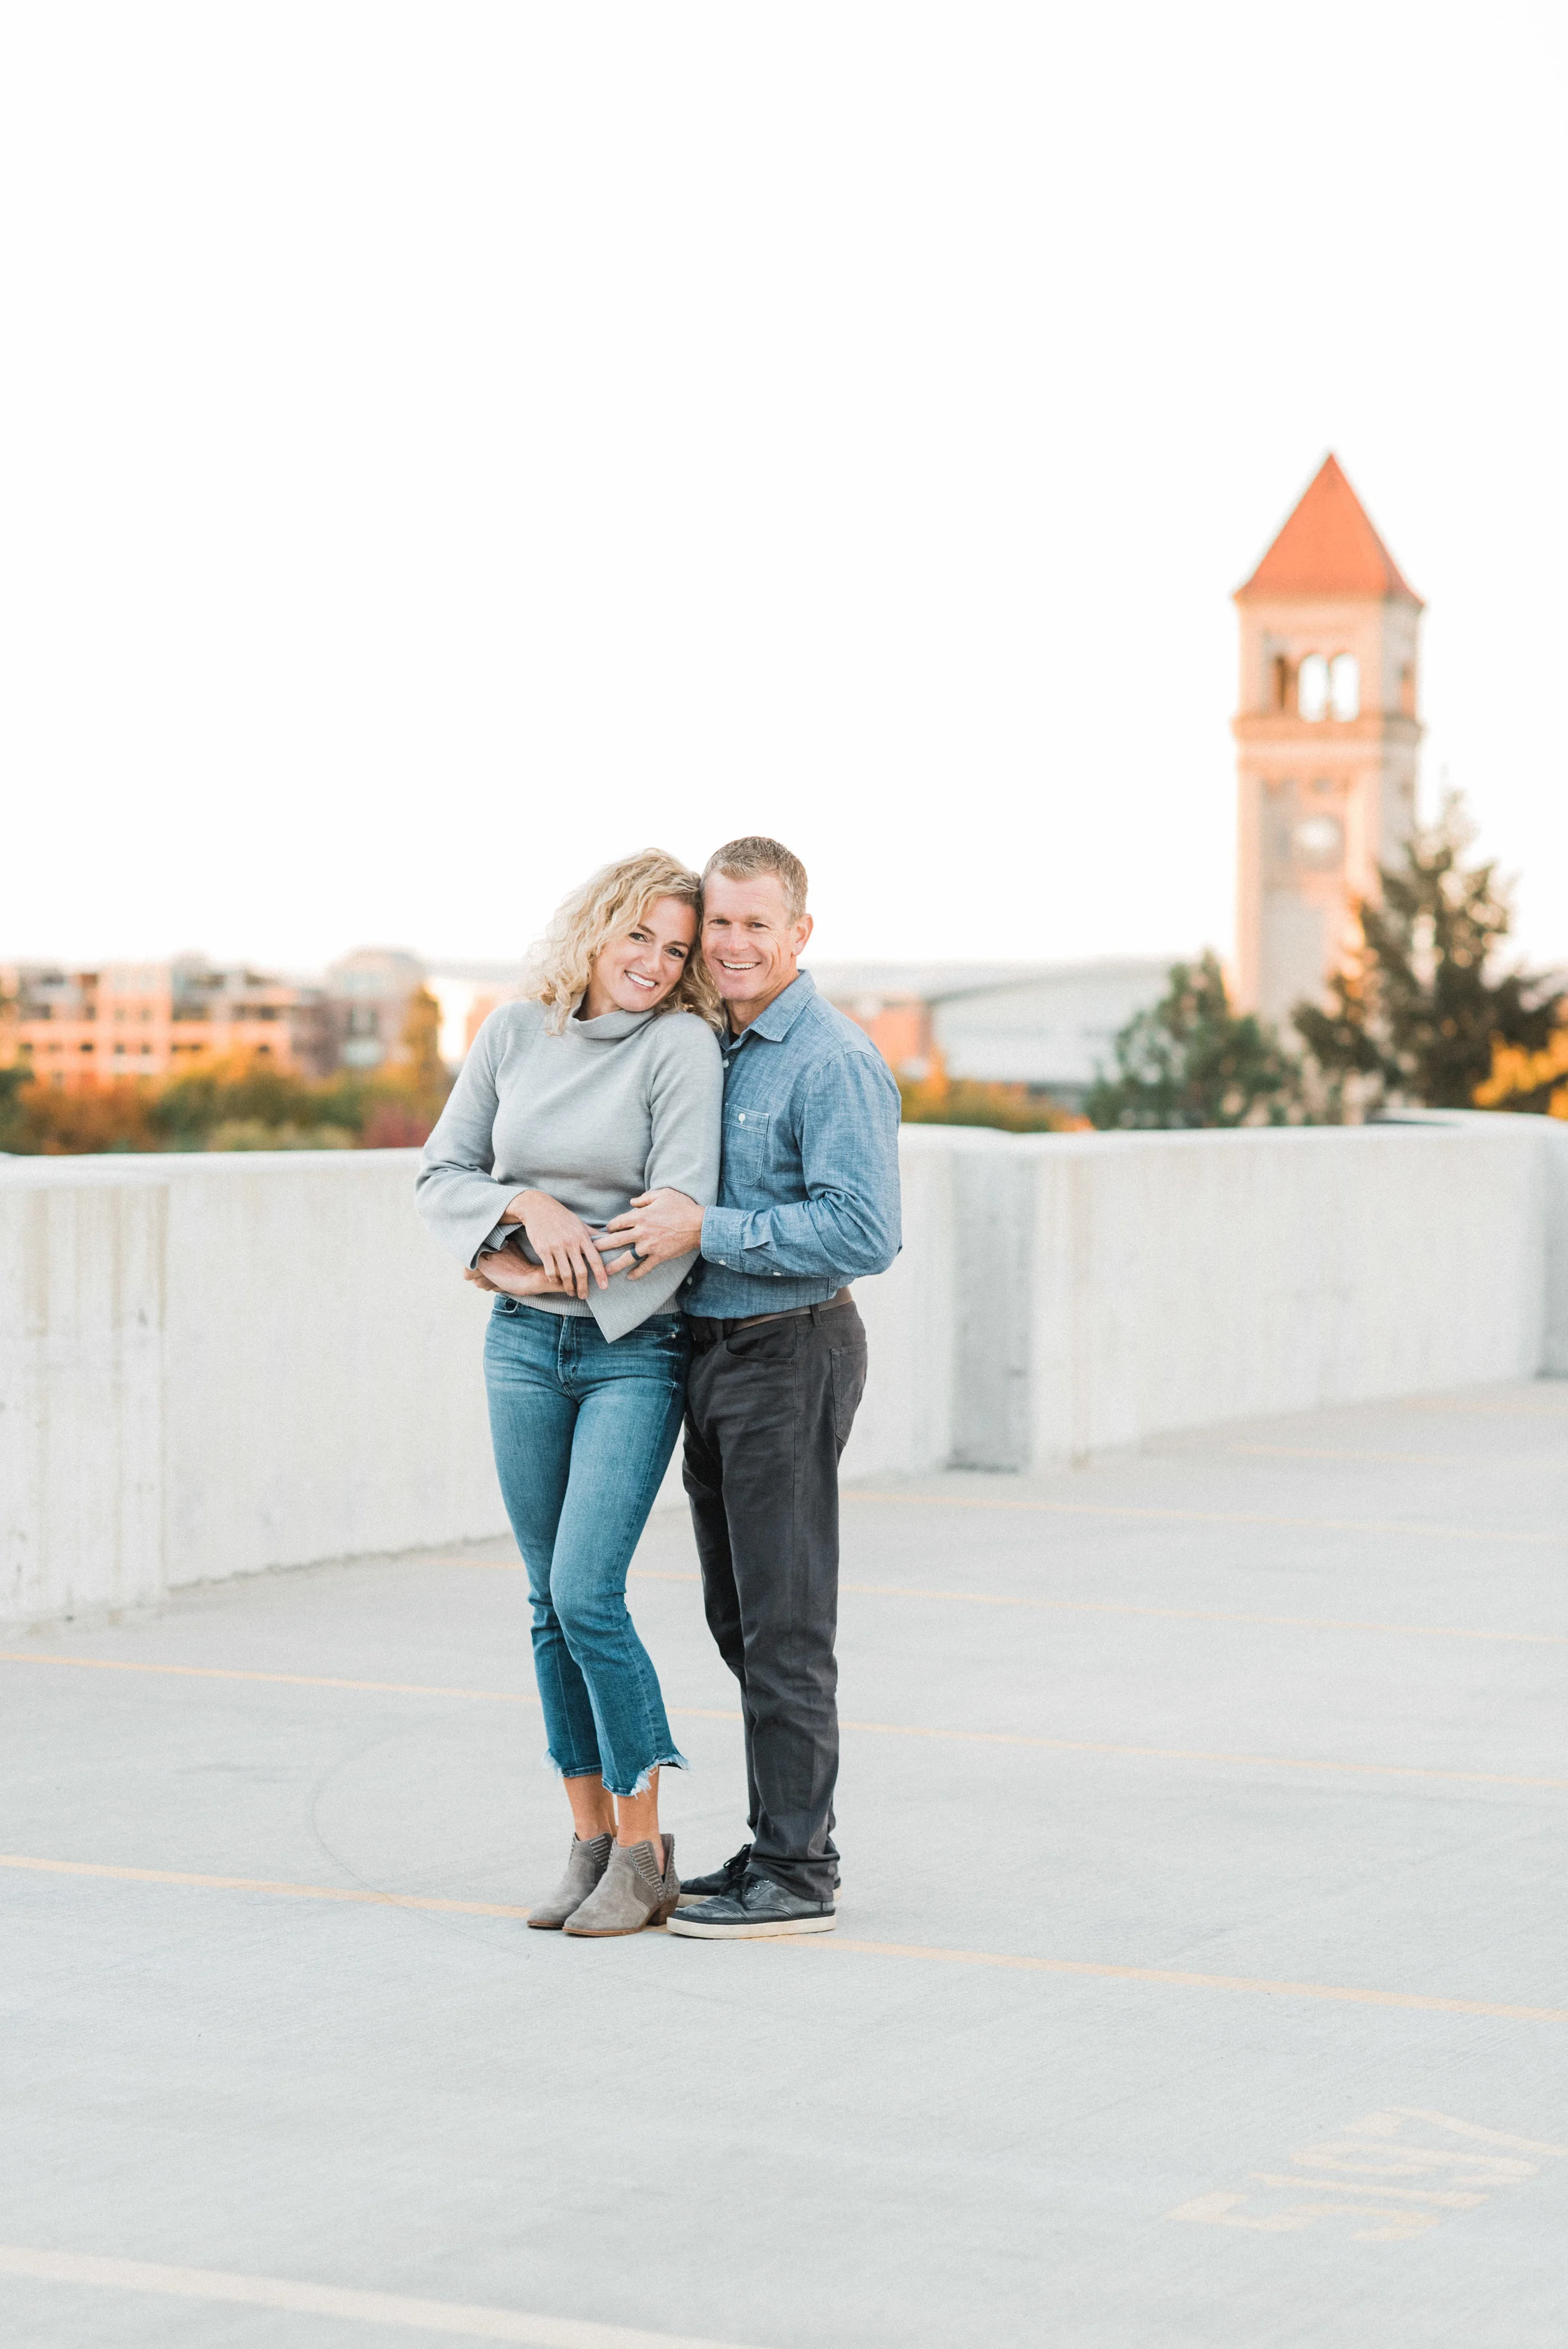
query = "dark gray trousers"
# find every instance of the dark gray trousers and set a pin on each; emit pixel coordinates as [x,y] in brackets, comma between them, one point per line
[769,1412]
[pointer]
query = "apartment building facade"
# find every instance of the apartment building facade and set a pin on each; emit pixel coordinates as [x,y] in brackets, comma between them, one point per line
[79,1029]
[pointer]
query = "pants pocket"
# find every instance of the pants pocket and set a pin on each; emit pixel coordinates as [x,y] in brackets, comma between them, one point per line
[848,1367]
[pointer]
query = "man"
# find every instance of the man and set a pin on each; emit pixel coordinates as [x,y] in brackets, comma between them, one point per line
[808,1201]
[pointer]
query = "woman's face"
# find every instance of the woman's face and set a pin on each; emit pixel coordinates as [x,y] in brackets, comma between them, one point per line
[637,970]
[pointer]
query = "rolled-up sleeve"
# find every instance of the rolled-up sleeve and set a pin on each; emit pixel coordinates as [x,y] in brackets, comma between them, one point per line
[847,1226]
[455,1189]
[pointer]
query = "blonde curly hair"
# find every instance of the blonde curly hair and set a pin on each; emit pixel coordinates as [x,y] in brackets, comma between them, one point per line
[610,903]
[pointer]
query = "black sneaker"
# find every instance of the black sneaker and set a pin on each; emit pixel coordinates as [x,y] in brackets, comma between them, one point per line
[757,1910]
[727,1878]
[718,1880]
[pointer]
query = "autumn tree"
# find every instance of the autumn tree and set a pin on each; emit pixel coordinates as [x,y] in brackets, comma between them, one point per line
[422,1068]
[937,1099]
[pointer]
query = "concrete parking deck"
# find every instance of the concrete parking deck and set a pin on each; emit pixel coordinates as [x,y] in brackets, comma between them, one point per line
[1199,1984]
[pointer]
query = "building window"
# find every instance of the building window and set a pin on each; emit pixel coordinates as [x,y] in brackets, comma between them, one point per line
[1279,678]
[1345,685]
[1317,842]
[1312,688]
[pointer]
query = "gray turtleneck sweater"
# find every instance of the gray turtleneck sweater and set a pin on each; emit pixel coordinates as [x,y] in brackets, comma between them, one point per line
[611,1107]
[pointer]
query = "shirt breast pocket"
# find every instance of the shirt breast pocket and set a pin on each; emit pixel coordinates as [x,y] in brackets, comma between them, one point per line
[748,1143]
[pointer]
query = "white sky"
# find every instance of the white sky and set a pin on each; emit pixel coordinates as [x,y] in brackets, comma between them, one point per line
[446,446]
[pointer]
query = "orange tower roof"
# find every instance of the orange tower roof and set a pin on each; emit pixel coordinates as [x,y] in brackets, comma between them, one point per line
[1328,547]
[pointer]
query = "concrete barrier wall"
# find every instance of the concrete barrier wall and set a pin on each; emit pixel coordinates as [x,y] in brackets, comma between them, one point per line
[1065,1295]
[214,1364]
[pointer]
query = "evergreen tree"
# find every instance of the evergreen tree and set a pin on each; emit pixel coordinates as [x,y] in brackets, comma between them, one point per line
[13,1121]
[1191,1061]
[1414,1016]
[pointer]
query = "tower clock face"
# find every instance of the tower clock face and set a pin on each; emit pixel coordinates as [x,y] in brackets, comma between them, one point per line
[1319,840]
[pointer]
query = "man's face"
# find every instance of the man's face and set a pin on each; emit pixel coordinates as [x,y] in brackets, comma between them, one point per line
[749,942]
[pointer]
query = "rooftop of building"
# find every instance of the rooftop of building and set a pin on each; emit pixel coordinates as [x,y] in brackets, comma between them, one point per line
[935,982]
[1200,1814]
[1328,547]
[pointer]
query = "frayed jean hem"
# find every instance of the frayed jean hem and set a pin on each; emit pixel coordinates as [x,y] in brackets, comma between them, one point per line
[670,1761]
[673,1760]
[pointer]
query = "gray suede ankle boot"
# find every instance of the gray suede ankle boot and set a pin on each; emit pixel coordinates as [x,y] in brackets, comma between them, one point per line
[586,1866]
[629,1895]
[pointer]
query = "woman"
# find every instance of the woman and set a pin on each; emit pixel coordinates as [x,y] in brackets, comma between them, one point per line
[604,1083]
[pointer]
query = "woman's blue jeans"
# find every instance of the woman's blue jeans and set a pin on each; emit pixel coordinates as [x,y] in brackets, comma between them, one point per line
[584,1431]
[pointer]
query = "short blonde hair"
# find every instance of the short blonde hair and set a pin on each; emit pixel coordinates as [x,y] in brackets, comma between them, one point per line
[610,903]
[751,858]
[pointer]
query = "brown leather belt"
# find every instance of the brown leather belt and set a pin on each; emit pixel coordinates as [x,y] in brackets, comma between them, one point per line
[707,1326]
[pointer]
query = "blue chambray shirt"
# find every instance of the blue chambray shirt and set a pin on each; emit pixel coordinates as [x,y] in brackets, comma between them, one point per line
[808,1186]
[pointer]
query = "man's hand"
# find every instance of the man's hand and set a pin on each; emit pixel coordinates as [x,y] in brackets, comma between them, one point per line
[657,1226]
[561,1241]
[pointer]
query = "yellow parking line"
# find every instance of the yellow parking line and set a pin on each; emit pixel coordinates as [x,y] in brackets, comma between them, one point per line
[1482,1409]
[399,2310]
[1175,1979]
[1199,1753]
[1101,1607]
[1199,1614]
[1512,1462]
[1168,1976]
[357,1895]
[1402,1525]
[275,1679]
[865,1728]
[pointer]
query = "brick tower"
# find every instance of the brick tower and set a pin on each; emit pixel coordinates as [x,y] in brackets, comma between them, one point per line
[1327,740]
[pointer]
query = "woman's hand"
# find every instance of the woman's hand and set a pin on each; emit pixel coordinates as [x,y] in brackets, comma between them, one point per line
[561,1241]
[504,1269]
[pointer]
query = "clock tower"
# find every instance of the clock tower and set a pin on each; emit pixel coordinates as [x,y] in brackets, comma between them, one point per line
[1327,737]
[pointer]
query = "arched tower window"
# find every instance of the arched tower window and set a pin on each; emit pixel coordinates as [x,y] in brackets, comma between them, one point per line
[1279,682]
[1345,685]
[1312,688]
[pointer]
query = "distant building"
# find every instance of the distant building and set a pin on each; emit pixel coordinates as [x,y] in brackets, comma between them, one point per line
[1049,1026]
[468,992]
[367,998]
[1327,738]
[79,1030]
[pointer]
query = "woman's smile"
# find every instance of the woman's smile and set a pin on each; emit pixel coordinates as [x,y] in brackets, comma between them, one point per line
[644,964]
